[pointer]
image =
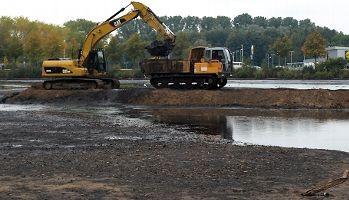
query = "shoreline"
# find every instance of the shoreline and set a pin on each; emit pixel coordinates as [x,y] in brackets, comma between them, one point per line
[254,98]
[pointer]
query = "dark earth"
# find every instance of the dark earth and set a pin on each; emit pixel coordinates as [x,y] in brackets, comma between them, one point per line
[47,154]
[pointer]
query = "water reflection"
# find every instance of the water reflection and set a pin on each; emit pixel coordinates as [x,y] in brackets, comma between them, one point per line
[16,107]
[292,132]
[321,129]
[293,84]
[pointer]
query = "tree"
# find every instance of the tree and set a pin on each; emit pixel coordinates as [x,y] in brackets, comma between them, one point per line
[181,50]
[15,48]
[134,48]
[78,30]
[260,21]
[217,37]
[191,23]
[208,23]
[290,22]
[306,23]
[314,45]
[224,22]
[33,47]
[282,46]
[114,51]
[175,23]
[54,45]
[243,20]
[275,22]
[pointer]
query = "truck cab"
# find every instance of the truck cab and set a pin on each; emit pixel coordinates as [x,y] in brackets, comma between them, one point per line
[222,54]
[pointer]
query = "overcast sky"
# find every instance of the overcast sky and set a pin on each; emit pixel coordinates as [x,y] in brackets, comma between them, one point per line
[332,14]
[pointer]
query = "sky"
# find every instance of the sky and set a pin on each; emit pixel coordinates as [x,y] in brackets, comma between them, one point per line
[332,14]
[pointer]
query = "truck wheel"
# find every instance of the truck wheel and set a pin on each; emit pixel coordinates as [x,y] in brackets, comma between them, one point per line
[47,85]
[222,82]
[115,84]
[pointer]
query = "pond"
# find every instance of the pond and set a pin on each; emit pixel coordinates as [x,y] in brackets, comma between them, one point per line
[318,129]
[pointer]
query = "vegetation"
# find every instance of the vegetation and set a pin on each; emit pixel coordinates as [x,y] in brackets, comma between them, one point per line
[314,45]
[24,43]
[330,69]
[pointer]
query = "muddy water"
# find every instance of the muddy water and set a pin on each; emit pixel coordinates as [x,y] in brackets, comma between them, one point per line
[319,129]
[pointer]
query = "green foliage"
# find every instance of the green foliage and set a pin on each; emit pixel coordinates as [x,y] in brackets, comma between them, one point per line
[314,45]
[245,72]
[117,71]
[344,74]
[19,71]
[181,50]
[243,20]
[271,72]
[282,46]
[333,67]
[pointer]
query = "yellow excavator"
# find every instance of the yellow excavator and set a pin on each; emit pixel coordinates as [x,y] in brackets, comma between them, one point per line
[89,70]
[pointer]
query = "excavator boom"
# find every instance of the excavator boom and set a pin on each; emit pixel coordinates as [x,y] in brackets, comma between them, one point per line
[100,31]
[111,24]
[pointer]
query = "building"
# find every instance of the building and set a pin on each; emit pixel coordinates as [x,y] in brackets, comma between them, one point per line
[336,52]
[332,53]
[311,61]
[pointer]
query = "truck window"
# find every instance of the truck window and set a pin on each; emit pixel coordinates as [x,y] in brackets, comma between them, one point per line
[208,54]
[217,55]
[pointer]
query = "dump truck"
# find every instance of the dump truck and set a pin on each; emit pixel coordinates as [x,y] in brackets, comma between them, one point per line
[205,68]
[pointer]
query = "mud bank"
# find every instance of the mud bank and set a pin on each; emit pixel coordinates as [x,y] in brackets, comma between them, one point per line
[50,154]
[276,98]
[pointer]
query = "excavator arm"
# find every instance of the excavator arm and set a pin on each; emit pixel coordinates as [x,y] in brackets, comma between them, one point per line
[156,48]
[139,10]
[101,30]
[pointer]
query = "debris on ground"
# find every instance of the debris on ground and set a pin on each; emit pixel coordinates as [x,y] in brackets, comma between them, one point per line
[321,188]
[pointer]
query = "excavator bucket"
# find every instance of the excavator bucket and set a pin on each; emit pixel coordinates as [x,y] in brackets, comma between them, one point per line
[160,48]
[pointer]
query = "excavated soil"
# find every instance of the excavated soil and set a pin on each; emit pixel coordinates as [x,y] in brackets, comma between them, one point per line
[277,98]
[58,155]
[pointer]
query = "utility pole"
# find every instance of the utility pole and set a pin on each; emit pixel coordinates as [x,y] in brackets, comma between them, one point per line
[268,57]
[252,53]
[242,54]
[272,60]
[236,53]
[63,48]
[291,52]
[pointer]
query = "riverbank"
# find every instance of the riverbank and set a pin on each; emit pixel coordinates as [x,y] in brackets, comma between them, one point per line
[266,98]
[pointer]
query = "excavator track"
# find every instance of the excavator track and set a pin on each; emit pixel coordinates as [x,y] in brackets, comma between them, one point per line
[80,84]
[188,81]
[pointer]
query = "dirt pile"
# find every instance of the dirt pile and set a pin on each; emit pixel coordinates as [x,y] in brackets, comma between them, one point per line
[285,98]
[278,98]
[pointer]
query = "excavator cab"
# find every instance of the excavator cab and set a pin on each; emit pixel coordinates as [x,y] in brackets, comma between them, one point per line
[95,62]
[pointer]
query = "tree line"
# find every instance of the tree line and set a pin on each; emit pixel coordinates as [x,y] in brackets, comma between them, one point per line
[25,43]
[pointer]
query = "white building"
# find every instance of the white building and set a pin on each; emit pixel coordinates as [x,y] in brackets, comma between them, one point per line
[332,53]
[336,52]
